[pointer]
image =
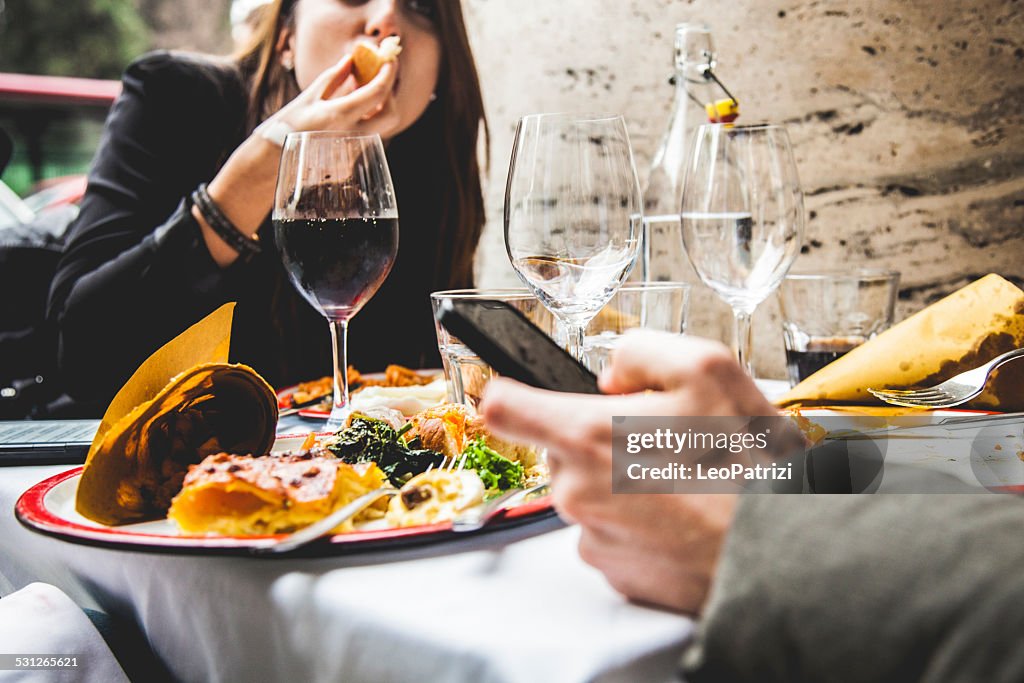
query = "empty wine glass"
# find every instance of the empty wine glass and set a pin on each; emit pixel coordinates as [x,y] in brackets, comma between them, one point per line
[742,216]
[572,214]
[336,226]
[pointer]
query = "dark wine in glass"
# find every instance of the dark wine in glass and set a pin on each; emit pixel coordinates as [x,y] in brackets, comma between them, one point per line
[338,264]
[336,226]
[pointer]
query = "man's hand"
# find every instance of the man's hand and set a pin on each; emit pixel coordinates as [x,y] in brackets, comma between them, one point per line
[659,549]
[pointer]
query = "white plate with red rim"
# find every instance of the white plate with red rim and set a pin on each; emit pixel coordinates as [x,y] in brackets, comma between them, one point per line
[49,508]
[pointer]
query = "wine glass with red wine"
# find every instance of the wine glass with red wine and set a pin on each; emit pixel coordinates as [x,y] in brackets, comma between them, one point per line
[336,226]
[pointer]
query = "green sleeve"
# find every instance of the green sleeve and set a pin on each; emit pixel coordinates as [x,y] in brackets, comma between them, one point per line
[867,588]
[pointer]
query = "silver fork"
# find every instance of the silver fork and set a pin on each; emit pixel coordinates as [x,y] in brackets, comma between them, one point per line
[478,517]
[952,392]
[308,534]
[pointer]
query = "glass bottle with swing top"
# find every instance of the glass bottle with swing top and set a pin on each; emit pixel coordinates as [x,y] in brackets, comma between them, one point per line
[697,101]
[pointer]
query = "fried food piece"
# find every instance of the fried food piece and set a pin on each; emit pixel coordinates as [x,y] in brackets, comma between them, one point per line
[238,495]
[399,376]
[441,429]
[367,58]
[449,427]
[812,432]
[394,376]
[312,390]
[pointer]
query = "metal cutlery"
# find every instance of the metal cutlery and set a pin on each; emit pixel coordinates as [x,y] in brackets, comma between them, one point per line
[479,516]
[952,392]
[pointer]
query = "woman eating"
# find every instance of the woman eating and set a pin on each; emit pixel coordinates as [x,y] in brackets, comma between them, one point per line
[143,261]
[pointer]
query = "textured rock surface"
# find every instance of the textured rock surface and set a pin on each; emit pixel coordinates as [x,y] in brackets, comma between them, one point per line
[907,120]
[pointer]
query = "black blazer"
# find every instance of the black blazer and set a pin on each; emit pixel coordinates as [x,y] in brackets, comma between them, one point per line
[136,272]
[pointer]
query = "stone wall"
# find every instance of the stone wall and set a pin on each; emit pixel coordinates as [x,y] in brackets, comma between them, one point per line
[907,119]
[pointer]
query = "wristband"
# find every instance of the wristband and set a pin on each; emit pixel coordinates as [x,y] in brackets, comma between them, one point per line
[274,131]
[225,229]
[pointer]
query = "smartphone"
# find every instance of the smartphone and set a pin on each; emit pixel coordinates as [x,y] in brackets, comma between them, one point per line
[513,346]
[46,442]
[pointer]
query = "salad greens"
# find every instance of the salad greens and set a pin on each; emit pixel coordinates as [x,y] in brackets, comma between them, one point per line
[371,440]
[368,439]
[496,471]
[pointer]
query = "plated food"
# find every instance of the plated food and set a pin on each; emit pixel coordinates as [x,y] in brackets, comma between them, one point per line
[138,465]
[398,387]
[199,455]
[435,496]
[270,494]
[186,458]
[442,460]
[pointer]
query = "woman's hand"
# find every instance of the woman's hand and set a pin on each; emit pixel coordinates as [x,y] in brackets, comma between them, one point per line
[244,187]
[661,549]
[331,102]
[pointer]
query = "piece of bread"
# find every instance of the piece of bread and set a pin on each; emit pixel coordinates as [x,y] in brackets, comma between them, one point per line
[367,58]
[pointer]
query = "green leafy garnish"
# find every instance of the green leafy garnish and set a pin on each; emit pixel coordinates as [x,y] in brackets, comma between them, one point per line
[371,440]
[495,470]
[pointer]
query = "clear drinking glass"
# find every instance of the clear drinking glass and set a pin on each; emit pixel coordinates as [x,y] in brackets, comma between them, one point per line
[658,306]
[336,226]
[742,216]
[573,214]
[828,313]
[465,372]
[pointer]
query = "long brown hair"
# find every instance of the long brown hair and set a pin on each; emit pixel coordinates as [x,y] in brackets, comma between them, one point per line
[461,117]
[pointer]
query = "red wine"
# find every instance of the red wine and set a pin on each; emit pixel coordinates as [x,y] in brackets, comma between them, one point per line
[338,264]
[819,353]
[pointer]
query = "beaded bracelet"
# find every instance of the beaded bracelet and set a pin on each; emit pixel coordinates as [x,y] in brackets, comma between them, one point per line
[225,229]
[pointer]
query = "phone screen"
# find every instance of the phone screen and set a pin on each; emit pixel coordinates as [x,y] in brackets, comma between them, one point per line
[513,346]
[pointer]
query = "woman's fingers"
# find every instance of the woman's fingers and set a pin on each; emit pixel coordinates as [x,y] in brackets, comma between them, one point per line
[332,78]
[330,103]
[367,99]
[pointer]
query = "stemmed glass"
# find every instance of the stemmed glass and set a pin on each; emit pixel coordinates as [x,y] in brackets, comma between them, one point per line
[336,226]
[742,216]
[572,214]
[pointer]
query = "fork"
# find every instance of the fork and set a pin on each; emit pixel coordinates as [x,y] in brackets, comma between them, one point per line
[477,517]
[308,534]
[952,392]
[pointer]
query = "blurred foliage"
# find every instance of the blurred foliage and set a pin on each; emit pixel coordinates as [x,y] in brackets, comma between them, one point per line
[84,38]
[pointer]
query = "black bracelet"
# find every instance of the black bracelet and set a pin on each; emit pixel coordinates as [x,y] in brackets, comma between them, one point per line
[225,229]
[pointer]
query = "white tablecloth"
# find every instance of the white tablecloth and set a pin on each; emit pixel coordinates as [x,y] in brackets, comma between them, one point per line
[513,606]
[38,620]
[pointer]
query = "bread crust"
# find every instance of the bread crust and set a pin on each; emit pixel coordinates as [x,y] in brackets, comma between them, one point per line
[367,58]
